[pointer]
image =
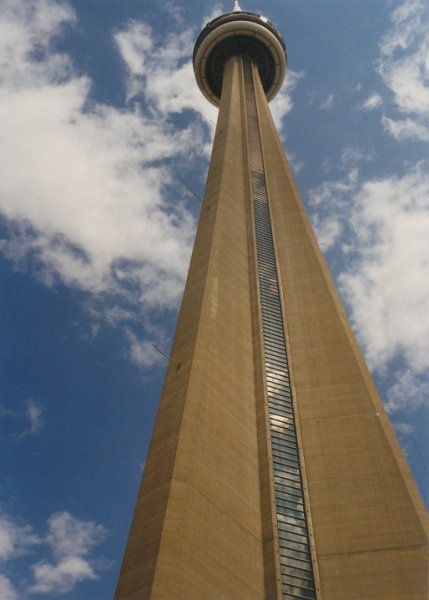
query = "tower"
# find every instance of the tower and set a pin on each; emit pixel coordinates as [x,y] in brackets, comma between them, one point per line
[273,471]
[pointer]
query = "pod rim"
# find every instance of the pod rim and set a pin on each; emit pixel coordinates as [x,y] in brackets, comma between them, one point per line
[254,33]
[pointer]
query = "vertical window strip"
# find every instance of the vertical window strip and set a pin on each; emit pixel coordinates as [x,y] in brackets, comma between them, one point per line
[287,476]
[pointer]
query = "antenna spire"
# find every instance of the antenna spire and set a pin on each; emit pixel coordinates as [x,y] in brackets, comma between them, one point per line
[236,7]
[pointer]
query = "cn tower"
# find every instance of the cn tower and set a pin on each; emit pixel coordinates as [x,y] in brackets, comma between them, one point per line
[273,471]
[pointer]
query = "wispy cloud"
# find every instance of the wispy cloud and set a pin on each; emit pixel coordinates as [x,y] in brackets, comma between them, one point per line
[328,103]
[93,207]
[372,102]
[25,422]
[160,70]
[15,538]
[34,415]
[143,352]
[404,68]
[71,542]
[403,428]
[408,392]
[380,227]
[7,589]
[282,104]
[330,201]
[386,286]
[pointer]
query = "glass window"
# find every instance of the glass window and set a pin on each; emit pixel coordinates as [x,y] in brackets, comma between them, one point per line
[273,340]
[298,592]
[295,536]
[279,388]
[286,510]
[295,501]
[287,539]
[298,577]
[292,545]
[275,356]
[289,479]
[274,405]
[288,461]
[281,419]
[294,505]
[273,325]
[286,466]
[285,452]
[284,411]
[282,386]
[285,444]
[283,480]
[288,552]
[273,336]
[277,373]
[278,376]
[304,565]
[297,524]
[271,317]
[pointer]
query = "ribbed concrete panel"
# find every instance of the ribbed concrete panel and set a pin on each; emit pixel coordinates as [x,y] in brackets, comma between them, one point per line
[273,472]
[368,519]
[197,526]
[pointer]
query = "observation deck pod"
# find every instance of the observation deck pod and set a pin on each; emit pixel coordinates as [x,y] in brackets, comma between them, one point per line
[239,33]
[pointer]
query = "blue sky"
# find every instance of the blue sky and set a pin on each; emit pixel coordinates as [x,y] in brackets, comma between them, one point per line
[103,131]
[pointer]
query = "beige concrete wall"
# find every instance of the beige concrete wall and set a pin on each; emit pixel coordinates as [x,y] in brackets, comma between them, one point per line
[196,532]
[369,521]
[203,525]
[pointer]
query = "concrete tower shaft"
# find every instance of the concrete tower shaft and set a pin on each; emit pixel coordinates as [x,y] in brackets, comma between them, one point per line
[273,472]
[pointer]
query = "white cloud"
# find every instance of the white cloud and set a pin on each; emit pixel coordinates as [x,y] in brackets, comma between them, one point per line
[329,201]
[61,577]
[328,103]
[388,286]
[162,71]
[380,227]
[403,428]
[350,157]
[29,421]
[142,351]
[402,129]
[216,11]
[15,538]
[71,542]
[282,104]
[372,102]
[404,68]
[408,392]
[34,416]
[69,536]
[328,231]
[91,204]
[7,590]
[6,540]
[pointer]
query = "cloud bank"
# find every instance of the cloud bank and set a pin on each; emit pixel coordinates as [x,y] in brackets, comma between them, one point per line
[404,68]
[87,189]
[379,227]
[71,542]
[82,187]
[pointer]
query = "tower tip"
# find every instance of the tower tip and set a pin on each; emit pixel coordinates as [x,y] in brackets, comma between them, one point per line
[236,7]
